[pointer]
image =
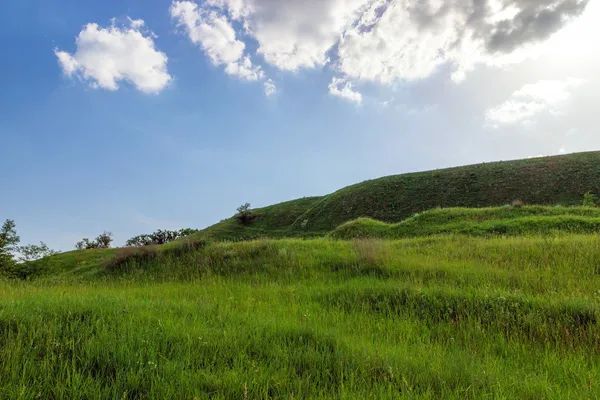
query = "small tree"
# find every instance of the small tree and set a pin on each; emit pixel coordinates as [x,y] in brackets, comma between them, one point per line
[33,252]
[159,237]
[8,242]
[84,244]
[102,241]
[590,199]
[244,214]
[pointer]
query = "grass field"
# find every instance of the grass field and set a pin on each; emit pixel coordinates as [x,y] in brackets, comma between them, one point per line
[436,317]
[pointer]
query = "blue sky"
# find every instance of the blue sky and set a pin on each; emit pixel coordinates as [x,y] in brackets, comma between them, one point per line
[108,123]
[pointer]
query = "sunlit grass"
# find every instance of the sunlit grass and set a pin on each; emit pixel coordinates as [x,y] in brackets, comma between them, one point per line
[441,317]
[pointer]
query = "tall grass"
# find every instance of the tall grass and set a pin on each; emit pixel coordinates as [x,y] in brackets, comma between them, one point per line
[493,221]
[439,317]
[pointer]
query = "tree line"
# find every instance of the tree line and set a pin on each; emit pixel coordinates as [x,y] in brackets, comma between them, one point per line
[11,253]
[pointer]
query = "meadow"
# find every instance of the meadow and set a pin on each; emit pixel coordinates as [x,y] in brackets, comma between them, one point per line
[444,316]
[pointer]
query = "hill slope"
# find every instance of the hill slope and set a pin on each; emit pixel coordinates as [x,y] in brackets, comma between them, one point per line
[437,318]
[545,180]
[490,221]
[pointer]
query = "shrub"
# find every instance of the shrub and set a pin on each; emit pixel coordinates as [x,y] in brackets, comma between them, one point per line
[244,214]
[590,199]
[160,237]
[517,203]
[102,241]
[33,252]
[128,256]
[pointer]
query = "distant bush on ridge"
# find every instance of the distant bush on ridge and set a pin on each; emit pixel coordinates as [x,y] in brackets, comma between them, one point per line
[102,241]
[159,237]
[244,214]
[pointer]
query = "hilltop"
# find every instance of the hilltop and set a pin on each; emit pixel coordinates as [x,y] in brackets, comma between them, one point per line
[556,180]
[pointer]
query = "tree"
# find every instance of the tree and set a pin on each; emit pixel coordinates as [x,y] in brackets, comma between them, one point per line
[159,237]
[244,214]
[102,241]
[8,242]
[33,252]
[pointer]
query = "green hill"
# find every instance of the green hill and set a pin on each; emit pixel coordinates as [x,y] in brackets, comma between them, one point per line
[556,180]
[528,220]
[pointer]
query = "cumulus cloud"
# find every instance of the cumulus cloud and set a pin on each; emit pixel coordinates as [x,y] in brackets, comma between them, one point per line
[532,99]
[214,33]
[381,41]
[388,40]
[106,56]
[340,87]
[410,39]
[270,88]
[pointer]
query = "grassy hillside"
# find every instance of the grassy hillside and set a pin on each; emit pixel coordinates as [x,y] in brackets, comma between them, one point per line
[545,181]
[272,221]
[444,317]
[490,221]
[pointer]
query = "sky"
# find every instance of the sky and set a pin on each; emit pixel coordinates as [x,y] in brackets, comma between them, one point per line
[131,116]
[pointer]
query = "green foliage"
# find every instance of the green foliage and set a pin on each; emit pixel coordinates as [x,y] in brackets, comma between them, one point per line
[8,244]
[160,237]
[33,252]
[590,200]
[102,241]
[450,317]
[244,214]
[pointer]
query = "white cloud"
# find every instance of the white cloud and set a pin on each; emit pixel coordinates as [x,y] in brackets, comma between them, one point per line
[245,70]
[340,87]
[136,23]
[551,92]
[513,111]
[388,40]
[217,37]
[531,100]
[382,41]
[106,56]
[270,88]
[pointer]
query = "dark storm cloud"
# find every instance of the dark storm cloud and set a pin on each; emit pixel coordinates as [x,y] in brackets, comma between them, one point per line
[535,22]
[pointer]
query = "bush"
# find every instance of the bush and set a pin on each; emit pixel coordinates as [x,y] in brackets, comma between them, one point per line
[33,252]
[517,203]
[160,237]
[590,199]
[244,214]
[127,257]
[102,241]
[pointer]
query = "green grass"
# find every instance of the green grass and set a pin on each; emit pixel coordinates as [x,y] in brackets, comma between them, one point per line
[437,317]
[271,221]
[561,180]
[528,220]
